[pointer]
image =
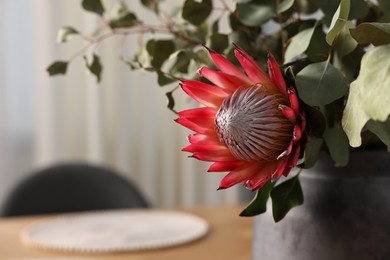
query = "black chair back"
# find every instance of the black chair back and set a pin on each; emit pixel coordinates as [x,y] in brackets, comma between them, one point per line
[71,188]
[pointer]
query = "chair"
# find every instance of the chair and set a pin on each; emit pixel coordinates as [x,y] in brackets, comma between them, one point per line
[71,188]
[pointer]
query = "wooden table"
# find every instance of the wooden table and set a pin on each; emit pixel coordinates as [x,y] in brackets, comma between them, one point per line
[230,237]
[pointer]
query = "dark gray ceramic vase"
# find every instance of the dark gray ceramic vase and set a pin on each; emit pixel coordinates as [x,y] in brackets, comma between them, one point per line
[345,216]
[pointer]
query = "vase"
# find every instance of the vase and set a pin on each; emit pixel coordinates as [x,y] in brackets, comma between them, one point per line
[345,214]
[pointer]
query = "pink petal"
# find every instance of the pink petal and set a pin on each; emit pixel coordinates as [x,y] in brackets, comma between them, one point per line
[279,171]
[194,148]
[206,94]
[275,75]
[263,175]
[219,156]
[202,112]
[238,175]
[209,139]
[293,100]
[200,125]
[297,133]
[254,72]
[292,162]
[224,166]
[227,67]
[228,82]
[289,113]
[260,183]
[286,171]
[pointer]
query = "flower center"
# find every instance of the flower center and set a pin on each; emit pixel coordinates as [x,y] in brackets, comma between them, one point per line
[251,125]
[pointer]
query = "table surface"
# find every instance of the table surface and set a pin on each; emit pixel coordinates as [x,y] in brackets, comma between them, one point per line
[230,237]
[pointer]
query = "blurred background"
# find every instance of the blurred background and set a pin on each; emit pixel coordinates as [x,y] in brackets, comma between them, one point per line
[121,123]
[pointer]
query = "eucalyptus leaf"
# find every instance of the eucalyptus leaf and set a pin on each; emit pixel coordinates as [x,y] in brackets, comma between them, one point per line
[126,21]
[318,49]
[316,119]
[382,130]
[66,33]
[320,84]
[259,203]
[359,9]
[307,6]
[170,101]
[182,62]
[375,33]
[57,67]
[95,66]
[163,80]
[337,143]
[159,51]
[345,43]
[196,12]
[94,6]
[121,17]
[119,10]
[369,95]
[299,43]
[286,196]
[284,6]
[338,21]
[328,8]
[312,151]
[385,8]
[255,14]
[218,42]
[152,5]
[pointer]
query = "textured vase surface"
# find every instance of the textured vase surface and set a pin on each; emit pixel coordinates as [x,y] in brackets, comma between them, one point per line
[345,215]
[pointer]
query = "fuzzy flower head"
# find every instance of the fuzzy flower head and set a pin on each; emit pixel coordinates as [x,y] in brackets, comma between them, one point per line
[251,125]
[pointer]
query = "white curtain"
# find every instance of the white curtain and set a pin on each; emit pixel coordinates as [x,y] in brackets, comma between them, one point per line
[122,122]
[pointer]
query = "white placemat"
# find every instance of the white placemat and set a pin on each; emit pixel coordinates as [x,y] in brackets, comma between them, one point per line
[116,231]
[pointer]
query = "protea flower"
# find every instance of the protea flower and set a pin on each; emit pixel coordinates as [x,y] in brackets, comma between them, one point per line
[251,125]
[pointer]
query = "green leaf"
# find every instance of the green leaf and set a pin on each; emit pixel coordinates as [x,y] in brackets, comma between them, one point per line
[95,67]
[284,6]
[218,42]
[385,8]
[203,57]
[337,143]
[215,26]
[163,80]
[382,130]
[316,119]
[286,196]
[121,17]
[369,95]
[299,43]
[126,21]
[57,67]
[359,9]
[171,100]
[328,8]
[338,21]
[345,44]
[65,34]
[160,51]
[320,84]
[152,5]
[94,6]
[312,151]
[259,203]
[255,14]
[182,62]
[306,6]
[375,33]
[196,12]
[318,49]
